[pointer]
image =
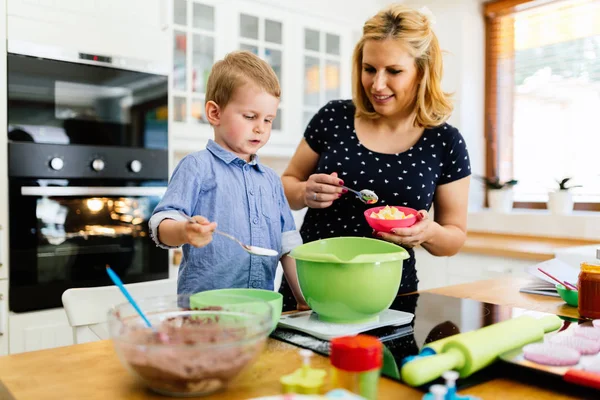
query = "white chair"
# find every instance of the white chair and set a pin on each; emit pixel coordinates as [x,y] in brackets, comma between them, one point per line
[87,308]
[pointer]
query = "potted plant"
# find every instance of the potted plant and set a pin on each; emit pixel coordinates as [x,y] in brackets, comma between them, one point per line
[499,194]
[560,202]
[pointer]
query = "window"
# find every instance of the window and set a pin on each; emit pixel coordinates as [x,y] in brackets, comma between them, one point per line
[321,71]
[264,37]
[193,57]
[542,97]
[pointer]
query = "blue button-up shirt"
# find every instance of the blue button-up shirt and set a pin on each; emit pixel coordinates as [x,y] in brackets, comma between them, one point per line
[247,201]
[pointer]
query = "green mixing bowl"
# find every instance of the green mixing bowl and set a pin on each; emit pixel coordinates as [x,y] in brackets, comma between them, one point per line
[229,296]
[349,279]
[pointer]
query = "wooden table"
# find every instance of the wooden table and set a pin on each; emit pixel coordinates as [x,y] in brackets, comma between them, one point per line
[92,371]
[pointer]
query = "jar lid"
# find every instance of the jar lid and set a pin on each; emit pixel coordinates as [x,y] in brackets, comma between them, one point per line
[356,353]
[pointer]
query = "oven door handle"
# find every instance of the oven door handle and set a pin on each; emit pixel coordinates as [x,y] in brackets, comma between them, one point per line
[70,191]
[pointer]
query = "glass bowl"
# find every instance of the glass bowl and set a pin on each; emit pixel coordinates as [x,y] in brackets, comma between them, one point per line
[189,352]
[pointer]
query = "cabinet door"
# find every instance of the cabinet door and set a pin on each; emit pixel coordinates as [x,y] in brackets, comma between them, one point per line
[194,43]
[39,330]
[431,270]
[124,28]
[473,267]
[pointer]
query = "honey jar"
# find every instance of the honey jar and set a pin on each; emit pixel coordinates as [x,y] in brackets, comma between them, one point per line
[589,288]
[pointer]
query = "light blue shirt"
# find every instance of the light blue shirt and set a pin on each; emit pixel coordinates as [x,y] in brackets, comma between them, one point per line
[247,201]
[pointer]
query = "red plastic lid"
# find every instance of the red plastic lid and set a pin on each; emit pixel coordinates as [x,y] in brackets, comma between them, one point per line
[356,353]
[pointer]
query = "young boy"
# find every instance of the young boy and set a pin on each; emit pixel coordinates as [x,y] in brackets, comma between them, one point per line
[226,184]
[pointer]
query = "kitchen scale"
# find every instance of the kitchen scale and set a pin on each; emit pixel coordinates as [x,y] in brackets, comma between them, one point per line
[308,322]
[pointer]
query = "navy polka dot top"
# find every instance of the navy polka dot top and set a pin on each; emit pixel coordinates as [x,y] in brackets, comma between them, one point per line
[404,179]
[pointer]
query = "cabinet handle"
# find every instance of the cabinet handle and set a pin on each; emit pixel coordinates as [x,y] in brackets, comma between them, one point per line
[1,254]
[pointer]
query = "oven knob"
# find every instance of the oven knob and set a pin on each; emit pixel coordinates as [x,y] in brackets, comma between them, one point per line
[135,166]
[57,163]
[97,165]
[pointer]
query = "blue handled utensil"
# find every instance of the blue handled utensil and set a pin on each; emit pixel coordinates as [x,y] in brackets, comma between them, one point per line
[115,278]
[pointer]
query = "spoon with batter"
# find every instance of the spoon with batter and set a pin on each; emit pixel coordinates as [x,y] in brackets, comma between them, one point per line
[366,196]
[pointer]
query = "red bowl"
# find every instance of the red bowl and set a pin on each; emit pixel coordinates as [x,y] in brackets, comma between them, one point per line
[386,225]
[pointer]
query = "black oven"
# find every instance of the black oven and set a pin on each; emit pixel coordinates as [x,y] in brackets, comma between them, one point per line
[88,162]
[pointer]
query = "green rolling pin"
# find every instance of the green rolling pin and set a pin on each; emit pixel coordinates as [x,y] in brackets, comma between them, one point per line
[471,351]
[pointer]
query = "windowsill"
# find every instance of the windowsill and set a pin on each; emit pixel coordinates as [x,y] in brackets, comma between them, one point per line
[578,225]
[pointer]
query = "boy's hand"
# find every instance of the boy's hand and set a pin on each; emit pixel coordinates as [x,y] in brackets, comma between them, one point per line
[302,306]
[199,234]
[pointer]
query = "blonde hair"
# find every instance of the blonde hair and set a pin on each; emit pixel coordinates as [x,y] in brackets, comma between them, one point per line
[235,70]
[433,107]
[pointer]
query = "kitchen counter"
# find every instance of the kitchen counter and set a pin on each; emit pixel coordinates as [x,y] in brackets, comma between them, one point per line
[522,247]
[93,371]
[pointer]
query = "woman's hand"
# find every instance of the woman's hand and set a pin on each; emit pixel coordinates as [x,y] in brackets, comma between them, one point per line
[414,235]
[200,233]
[322,190]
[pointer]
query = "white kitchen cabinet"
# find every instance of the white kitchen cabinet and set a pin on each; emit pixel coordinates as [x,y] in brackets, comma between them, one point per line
[464,267]
[125,28]
[477,267]
[431,270]
[39,330]
[310,72]
[469,267]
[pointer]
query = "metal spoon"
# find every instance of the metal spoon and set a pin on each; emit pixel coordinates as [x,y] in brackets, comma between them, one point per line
[258,251]
[366,196]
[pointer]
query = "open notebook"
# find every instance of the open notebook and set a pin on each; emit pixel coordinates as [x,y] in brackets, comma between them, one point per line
[545,285]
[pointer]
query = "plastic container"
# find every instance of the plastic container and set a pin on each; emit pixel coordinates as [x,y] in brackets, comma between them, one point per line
[571,297]
[356,364]
[589,288]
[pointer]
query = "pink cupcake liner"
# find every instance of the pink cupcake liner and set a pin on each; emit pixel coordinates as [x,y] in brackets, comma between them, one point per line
[583,345]
[588,332]
[551,354]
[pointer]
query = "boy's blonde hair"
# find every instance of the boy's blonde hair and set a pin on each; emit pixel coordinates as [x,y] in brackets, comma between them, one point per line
[413,28]
[235,70]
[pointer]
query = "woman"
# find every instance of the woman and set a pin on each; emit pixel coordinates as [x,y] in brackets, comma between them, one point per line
[391,138]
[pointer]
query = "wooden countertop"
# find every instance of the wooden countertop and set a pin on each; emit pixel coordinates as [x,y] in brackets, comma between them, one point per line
[518,246]
[92,370]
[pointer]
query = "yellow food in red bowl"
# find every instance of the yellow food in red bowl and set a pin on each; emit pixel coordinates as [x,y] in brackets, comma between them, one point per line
[386,218]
